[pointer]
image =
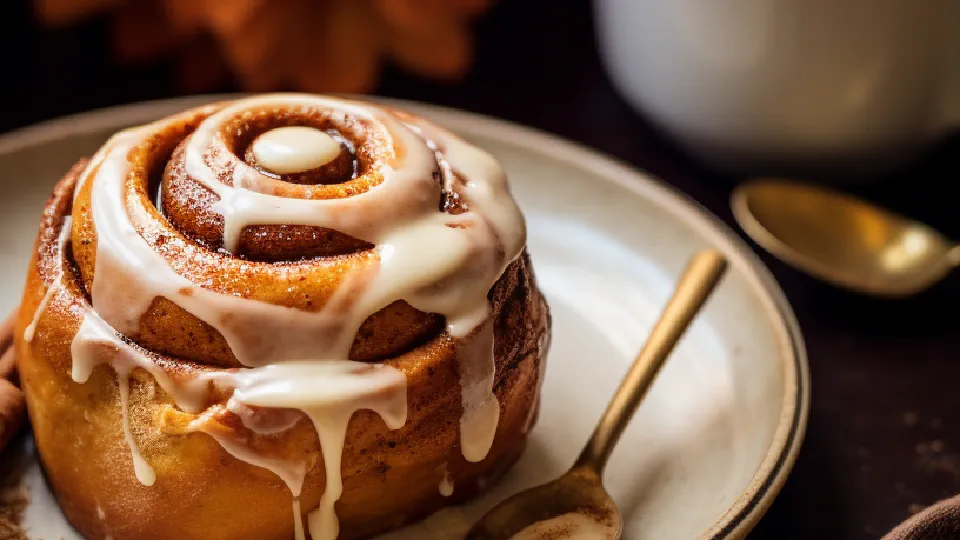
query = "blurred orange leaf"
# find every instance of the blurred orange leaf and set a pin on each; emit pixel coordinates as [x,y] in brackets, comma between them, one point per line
[311,45]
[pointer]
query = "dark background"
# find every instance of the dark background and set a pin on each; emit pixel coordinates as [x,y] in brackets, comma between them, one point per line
[881,441]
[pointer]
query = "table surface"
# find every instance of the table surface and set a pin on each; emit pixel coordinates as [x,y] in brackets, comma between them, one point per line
[880,443]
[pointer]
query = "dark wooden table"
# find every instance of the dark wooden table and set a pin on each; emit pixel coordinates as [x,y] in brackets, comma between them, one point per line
[882,441]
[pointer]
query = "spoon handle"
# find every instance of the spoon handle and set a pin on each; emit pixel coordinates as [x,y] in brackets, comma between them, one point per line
[700,278]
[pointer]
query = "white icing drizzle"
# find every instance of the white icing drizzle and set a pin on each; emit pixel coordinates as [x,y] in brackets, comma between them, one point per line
[481,411]
[446,483]
[95,337]
[437,262]
[328,392]
[290,471]
[52,289]
[297,520]
[88,352]
[258,333]
[96,343]
[294,149]
[145,473]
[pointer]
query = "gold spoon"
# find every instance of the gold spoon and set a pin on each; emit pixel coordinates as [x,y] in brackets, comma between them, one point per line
[841,239]
[576,504]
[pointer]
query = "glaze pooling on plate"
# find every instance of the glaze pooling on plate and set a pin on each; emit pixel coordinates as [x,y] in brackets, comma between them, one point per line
[438,262]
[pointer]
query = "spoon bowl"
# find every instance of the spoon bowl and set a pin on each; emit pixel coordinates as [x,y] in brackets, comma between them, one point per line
[842,239]
[574,504]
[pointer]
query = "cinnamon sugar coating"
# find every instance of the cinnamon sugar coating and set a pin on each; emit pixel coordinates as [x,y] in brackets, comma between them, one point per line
[202,491]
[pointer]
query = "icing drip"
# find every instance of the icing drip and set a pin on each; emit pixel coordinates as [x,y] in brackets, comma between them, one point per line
[88,352]
[329,393]
[145,473]
[97,343]
[294,149]
[446,483]
[291,472]
[52,289]
[297,520]
[297,360]
[481,411]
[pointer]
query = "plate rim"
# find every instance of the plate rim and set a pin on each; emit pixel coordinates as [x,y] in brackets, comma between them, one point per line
[747,509]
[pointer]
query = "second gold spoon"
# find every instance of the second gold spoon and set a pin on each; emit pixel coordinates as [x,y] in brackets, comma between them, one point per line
[841,239]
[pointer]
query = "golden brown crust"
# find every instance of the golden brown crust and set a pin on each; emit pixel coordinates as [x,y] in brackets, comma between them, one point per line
[202,491]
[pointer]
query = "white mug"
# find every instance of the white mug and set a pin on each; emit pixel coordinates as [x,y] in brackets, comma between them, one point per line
[848,85]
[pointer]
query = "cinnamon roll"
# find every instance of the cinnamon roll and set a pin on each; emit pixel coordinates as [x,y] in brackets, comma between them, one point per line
[284,316]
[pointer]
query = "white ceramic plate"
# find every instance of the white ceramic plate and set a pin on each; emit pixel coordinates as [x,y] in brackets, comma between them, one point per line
[718,433]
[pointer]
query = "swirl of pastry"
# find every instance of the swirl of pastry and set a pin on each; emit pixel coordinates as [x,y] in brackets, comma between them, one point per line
[283,298]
